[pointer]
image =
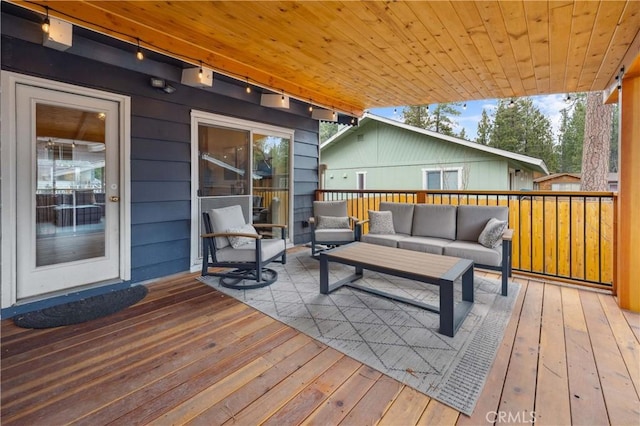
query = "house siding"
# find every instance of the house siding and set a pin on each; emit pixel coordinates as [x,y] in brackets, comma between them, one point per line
[394,158]
[161,137]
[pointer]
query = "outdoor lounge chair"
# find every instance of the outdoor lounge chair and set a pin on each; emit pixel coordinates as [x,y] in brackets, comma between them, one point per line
[331,226]
[230,243]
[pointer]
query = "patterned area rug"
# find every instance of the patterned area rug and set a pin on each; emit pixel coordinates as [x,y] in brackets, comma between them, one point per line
[399,340]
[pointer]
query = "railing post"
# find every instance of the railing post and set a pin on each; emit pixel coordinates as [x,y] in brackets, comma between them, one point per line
[421,197]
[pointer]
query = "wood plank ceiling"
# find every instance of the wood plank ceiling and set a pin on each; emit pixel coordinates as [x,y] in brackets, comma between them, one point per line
[352,56]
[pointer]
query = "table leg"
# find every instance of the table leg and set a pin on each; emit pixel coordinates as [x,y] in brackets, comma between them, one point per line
[324,274]
[446,308]
[467,285]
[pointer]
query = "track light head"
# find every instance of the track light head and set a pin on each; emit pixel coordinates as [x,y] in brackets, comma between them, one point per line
[46,23]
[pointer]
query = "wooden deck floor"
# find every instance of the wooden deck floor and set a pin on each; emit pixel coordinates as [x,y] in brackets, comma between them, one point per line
[189,354]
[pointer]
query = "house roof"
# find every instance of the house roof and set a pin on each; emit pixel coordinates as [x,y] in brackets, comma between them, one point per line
[535,164]
[556,176]
[354,56]
[611,177]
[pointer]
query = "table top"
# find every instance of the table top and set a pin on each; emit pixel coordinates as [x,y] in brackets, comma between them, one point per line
[400,260]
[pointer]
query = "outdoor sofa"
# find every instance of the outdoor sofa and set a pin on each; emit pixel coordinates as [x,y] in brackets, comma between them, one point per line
[479,233]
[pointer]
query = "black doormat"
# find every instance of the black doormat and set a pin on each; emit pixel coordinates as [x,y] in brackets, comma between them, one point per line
[82,310]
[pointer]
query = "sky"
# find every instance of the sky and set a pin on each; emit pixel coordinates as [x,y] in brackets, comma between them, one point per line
[549,105]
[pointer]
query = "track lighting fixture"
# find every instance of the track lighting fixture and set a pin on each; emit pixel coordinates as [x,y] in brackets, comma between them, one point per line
[139,54]
[248,89]
[310,106]
[200,73]
[568,99]
[46,24]
[464,106]
[511,103]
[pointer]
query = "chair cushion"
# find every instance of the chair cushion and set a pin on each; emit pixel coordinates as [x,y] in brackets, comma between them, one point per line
[475,251]
[472,220]
[226,218]
[247,252]
[237,241]
[381,222]
[402,215]
[434,220]
[330,208]
[333,222]
[334,235]
[491,235]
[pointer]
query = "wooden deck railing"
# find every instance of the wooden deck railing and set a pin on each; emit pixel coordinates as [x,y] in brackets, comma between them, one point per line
[568,236]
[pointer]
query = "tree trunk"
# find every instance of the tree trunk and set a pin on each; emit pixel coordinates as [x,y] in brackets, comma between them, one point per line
[597,144]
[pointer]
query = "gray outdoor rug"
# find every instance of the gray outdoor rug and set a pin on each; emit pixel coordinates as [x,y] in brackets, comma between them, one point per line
[399,340]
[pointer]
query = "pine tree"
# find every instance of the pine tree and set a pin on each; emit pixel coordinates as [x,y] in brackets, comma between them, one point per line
[615,129]
[327,130]
[521,128]
[441,118]
[596,147]
[484,129]
[463,134]
[571,136]
[417,115]
[437,119]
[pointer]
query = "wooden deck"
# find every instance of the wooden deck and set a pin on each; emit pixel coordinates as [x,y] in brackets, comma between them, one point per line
[189,354]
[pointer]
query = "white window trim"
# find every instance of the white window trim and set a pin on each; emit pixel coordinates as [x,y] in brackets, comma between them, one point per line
[441,170]
[202,117]
[9,81]
[364,180]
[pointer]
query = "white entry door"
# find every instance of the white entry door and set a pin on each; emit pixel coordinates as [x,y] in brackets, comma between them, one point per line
[67,191]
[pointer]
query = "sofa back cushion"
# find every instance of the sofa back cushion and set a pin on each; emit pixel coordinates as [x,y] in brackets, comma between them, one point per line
[472,220]
[402,216]
[434,220]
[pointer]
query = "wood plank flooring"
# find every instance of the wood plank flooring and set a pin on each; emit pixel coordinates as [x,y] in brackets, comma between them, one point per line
[188,354]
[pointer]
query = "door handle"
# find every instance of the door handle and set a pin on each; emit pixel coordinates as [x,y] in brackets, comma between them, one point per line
[114,198]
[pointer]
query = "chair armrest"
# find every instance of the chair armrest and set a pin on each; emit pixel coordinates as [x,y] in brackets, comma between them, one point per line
[231,234]
[362,222]
[312,220]
[507,234]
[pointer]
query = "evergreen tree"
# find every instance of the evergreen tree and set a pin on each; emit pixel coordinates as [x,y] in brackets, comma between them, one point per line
[571,136]
[463,134]
[484,129]
[438,119]
[417,115]
[597,137]
[521,128]
[327,130]
[441,118]
[615,128]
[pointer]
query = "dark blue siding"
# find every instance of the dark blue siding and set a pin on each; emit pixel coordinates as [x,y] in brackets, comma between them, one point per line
[161,137]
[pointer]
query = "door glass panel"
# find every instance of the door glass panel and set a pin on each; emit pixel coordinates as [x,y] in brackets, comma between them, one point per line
[271,179]
[70,184]
[224,157]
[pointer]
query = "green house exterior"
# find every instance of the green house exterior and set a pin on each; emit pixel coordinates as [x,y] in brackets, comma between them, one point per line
[387,154]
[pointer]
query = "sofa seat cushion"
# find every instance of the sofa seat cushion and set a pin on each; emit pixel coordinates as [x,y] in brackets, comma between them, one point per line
[475,251]
[334,235]
[247,252]
[389,240]
[424,244]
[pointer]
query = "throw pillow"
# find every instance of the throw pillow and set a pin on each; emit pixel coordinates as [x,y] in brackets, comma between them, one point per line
[381,222]
[237,241]
[491,235]
[333,222]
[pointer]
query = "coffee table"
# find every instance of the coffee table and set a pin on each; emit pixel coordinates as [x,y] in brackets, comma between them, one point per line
[424,267]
